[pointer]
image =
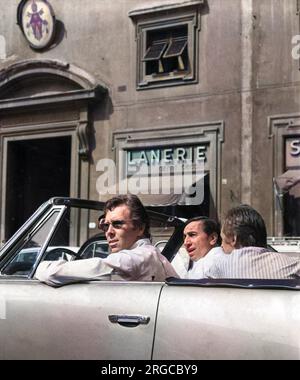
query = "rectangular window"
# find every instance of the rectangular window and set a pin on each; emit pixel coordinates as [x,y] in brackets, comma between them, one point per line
[167,48]
[166,51]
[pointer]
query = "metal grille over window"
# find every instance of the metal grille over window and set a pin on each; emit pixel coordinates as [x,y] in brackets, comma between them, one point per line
[176,47]
[155,51]
[166,51]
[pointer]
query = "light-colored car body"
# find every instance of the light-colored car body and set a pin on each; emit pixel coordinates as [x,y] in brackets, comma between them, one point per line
[176,319]
[185,322]
[288,245]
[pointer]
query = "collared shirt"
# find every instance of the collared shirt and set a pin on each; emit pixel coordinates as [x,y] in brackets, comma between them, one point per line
[254,263]
[182,263]
[143,262]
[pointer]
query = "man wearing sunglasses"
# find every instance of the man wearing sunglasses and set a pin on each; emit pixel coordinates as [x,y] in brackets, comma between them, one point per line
[133,257]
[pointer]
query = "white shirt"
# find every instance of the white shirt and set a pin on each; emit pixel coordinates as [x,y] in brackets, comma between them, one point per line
[200,267]
[143,262]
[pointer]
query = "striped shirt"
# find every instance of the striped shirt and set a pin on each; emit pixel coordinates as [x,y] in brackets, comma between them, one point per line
[254,263]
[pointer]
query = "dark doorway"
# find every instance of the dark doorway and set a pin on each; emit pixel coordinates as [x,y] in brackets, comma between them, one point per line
[291,215]
[37,170]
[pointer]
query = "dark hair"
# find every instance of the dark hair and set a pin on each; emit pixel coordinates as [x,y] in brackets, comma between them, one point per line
[246,225]
[138,212]
[210,226]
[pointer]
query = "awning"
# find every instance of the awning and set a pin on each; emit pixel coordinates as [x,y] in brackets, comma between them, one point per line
[286,181]
[160,191]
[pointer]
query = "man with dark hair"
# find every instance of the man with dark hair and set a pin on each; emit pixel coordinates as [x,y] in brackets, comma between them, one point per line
[201,241]
[244,241]
[133,257]
[138,213]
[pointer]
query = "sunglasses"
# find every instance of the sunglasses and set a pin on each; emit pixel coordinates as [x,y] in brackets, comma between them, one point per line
[117,224]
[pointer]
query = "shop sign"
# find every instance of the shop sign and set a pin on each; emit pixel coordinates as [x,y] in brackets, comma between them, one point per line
[165,157]
[292,150]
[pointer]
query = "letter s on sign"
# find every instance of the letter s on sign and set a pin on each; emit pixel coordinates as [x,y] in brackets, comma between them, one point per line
[295,148]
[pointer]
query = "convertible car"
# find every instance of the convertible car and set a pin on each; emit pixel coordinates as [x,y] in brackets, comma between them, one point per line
[177,319]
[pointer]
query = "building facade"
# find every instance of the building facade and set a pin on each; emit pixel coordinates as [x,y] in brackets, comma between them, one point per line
[210,85]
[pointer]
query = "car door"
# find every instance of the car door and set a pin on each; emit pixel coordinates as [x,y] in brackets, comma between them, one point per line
[95,320]
[91,320]
[249,321]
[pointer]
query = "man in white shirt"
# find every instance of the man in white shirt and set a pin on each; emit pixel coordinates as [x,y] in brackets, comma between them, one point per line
[133,257]
[246,256]
[201,240]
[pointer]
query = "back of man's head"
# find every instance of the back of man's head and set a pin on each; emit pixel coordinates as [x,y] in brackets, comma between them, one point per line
[138,212]
[246,225]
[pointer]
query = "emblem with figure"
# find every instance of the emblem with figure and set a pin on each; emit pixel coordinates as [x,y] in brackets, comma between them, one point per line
[38,23]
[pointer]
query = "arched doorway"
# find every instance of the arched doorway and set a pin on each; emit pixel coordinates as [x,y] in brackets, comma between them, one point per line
[44,137]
